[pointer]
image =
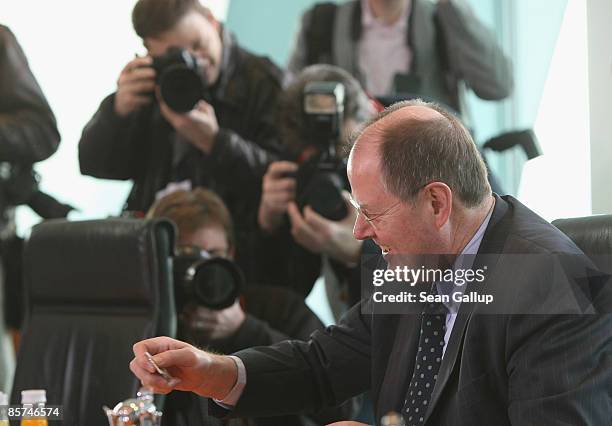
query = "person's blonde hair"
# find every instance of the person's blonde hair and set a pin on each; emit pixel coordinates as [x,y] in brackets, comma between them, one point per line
[194,210]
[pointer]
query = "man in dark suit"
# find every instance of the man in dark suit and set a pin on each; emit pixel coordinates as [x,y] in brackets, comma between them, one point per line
[540,353]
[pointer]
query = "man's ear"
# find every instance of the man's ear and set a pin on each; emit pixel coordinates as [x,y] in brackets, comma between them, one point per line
[440,198]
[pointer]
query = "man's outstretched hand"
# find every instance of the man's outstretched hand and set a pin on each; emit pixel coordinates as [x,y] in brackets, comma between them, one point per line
[192,369]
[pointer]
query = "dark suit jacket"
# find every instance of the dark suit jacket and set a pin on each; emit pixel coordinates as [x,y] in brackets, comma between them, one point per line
[553,367]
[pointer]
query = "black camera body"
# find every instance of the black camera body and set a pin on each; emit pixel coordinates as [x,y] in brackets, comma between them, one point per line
[19,186]
[320,181]
[181,79]
[213,282]
[321,177]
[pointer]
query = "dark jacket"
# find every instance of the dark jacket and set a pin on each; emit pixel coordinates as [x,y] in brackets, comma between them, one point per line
[143,147]
[281,261]
[284,262]
[525,360]
[28,131]
[273,314]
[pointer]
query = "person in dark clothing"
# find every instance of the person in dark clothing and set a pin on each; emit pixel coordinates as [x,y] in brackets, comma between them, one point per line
[224,144]
[28,134]
[540,353]
[28,130]
[307,244]
[296,247]
[263,315]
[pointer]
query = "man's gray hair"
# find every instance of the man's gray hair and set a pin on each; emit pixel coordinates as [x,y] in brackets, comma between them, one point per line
[415,152]
[357,105]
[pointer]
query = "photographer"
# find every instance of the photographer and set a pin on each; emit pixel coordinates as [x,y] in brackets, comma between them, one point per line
[28,130]
[435,49]
[223,140]
[28,133]
[260,316]
[297,243]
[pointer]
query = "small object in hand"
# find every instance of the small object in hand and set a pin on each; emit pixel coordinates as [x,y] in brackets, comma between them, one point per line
[162,371]
[392,419]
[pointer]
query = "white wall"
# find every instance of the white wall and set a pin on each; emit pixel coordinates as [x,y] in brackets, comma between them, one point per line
[76,50]
[599,15]
[574,176]
[557,184]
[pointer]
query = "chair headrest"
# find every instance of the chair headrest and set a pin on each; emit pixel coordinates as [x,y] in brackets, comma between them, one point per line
[111,260]
[593,235]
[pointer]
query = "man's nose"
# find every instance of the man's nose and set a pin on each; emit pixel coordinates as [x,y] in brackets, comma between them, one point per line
[362,229]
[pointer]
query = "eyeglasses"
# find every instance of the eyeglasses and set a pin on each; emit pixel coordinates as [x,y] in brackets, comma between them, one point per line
[370,218]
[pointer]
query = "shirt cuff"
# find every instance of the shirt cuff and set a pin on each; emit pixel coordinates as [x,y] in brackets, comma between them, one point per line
[234,395]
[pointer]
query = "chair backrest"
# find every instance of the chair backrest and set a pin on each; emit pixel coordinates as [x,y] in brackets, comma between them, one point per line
[93,289]
[593,235]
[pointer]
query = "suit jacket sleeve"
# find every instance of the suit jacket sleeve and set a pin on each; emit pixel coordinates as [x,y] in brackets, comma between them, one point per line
[473,53]
[28,131]
[294,376]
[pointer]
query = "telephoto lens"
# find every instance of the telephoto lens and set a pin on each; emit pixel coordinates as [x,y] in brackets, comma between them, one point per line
[181,79]
[322,176]
[213,282]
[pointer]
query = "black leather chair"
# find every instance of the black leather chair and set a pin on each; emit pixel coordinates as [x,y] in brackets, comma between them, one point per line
[93,289]
[593,235]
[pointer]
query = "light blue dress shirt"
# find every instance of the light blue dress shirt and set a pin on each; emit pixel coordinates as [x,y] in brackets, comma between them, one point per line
[465,260]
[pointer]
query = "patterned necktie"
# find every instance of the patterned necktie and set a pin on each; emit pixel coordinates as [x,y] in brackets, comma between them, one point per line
[427,363]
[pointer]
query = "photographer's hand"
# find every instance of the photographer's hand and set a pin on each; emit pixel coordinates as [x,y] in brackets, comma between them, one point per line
[135,86]
[199,126]
[212,324]
[196,371]
[277,191]
[321,235]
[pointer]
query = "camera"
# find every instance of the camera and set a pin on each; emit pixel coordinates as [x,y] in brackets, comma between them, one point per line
[213,282]
[321,176]
[181,79]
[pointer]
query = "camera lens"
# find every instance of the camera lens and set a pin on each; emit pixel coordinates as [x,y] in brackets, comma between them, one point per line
[216,282]
[181,87]
[213,282]
[324,195]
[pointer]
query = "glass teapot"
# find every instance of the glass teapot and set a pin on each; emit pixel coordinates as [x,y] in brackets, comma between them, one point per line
[139,411]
